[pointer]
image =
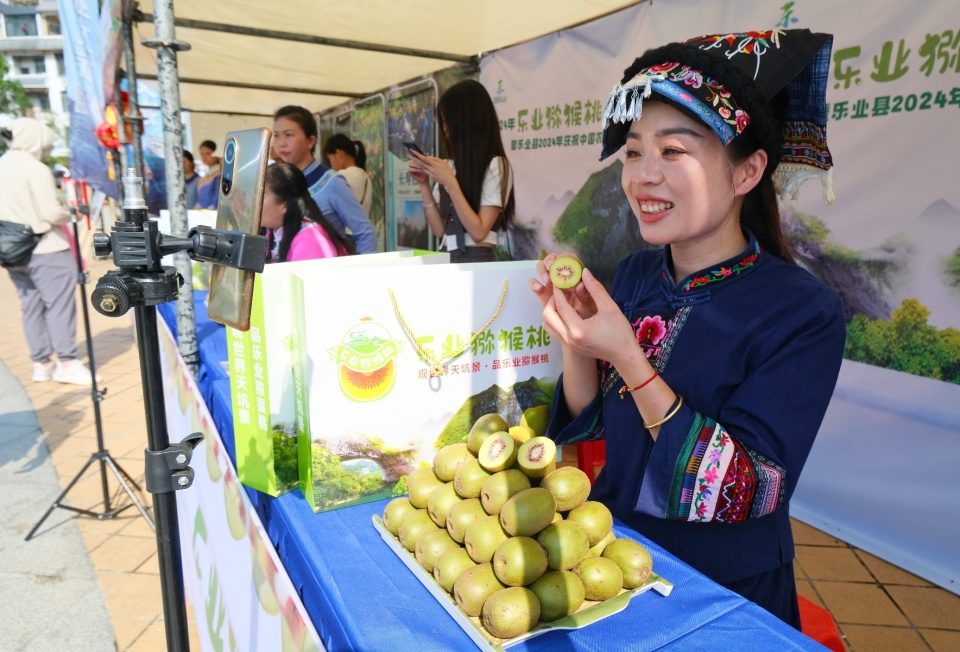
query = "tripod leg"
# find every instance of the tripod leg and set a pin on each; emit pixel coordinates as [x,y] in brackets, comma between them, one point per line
[129,478]
[56,503]
[122,478]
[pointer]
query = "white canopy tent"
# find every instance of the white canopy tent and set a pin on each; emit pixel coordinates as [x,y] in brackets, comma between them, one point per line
[248,57]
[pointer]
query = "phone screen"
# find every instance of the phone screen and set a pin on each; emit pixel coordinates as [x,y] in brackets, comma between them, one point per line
[413,146]
[242,176]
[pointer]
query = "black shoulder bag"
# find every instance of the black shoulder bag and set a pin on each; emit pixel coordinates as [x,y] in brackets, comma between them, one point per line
[17,242]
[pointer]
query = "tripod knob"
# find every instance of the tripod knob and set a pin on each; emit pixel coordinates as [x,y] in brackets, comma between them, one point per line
[102,246]
[111,297]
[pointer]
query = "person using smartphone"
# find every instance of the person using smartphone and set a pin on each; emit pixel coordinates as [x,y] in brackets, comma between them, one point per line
[295,136]
[297,228]
[472,197]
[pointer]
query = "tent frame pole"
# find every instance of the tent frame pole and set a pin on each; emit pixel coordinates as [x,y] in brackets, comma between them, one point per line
[168,76]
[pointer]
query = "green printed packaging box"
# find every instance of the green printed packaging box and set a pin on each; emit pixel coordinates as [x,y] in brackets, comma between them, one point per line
[261,380]
[391,365]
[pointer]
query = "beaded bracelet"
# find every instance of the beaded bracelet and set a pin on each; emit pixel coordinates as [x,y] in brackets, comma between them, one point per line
[625,389]
[669,416]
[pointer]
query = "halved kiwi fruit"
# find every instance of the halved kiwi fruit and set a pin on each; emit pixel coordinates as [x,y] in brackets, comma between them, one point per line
[498,452]
[566,271]
[537,457]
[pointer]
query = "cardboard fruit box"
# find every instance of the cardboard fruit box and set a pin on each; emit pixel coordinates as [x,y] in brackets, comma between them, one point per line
[589,612]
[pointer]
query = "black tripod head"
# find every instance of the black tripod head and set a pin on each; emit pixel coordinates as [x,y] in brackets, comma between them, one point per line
[138,247]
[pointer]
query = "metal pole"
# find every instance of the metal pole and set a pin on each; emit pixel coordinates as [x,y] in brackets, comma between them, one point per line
[164,504]
[132,117]
[168,76]
[121,136]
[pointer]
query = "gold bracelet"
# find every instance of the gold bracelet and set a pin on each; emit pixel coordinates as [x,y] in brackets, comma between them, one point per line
[669,416]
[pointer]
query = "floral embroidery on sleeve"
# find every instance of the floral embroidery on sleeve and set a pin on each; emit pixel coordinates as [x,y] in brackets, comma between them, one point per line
[718,479]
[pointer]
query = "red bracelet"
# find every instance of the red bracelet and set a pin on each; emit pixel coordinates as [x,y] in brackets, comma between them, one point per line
[625,389]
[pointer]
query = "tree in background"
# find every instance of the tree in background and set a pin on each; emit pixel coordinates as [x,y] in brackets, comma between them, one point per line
[13,99]
[906,343]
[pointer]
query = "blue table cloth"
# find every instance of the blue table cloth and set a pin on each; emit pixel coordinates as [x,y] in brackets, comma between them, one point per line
[360,596]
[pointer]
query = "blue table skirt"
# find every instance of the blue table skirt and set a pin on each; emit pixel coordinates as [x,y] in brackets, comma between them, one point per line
[360,596]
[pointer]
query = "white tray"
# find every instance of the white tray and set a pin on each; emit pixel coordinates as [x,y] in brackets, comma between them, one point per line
[590,612]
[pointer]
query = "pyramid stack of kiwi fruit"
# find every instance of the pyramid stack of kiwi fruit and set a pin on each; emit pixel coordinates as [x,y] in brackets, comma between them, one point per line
[509,535]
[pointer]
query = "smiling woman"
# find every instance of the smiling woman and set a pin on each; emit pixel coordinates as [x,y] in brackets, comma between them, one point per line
[709,367]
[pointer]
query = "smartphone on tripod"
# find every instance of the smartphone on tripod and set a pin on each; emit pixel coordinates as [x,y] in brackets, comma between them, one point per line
[242,178]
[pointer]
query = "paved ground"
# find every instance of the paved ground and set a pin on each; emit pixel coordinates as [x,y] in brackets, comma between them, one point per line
[49,589]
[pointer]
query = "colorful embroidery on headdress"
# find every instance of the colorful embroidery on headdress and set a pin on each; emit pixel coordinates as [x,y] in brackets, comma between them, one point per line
[703,96]
[756,43]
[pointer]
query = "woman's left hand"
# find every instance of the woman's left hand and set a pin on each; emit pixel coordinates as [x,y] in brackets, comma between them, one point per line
[437,169]
[605,334]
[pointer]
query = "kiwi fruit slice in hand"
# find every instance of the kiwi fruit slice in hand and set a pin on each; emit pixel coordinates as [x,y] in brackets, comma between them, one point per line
[566,271]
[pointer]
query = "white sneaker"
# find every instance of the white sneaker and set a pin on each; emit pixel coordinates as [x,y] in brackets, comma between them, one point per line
[73,372]
[43,371]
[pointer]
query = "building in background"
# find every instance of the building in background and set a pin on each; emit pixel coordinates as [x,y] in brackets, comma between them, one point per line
[31,41]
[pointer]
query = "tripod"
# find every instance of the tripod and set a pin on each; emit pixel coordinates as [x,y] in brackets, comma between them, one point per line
[102,456]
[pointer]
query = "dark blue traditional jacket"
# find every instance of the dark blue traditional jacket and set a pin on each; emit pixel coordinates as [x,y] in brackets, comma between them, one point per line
[754,347]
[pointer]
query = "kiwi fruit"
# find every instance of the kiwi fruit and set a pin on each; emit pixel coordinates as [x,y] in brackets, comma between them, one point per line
[521,434]
[462,515]
[602,578]
[421,483]
[498,452]
[565,544]
[632,558]
[474,586]
[560,593]
[510,612]
[595,519]
[482,537]
[569,485]
[566,271]
[500,487]
[469,479]
[450,458]
[432,544]
[597,549]
[441,502]
[537,457]
[519,561]
[394,513]
[528,512]
[483,428]
[449,565]
[537,418]
[413,526]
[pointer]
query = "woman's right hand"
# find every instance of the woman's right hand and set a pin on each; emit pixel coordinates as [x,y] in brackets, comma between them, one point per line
[578,296]
[417,173]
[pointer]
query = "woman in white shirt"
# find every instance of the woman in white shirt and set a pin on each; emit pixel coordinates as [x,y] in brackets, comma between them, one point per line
[473,194]
[349,159]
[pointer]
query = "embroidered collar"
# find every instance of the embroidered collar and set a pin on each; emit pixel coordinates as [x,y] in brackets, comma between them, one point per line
[725,270]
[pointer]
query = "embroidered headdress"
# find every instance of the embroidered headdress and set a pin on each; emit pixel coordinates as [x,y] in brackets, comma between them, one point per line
[728,82]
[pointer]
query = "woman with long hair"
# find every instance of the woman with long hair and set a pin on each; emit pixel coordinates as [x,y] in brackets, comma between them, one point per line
[349,158]
[473,193]
[709,366]
[298,230]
